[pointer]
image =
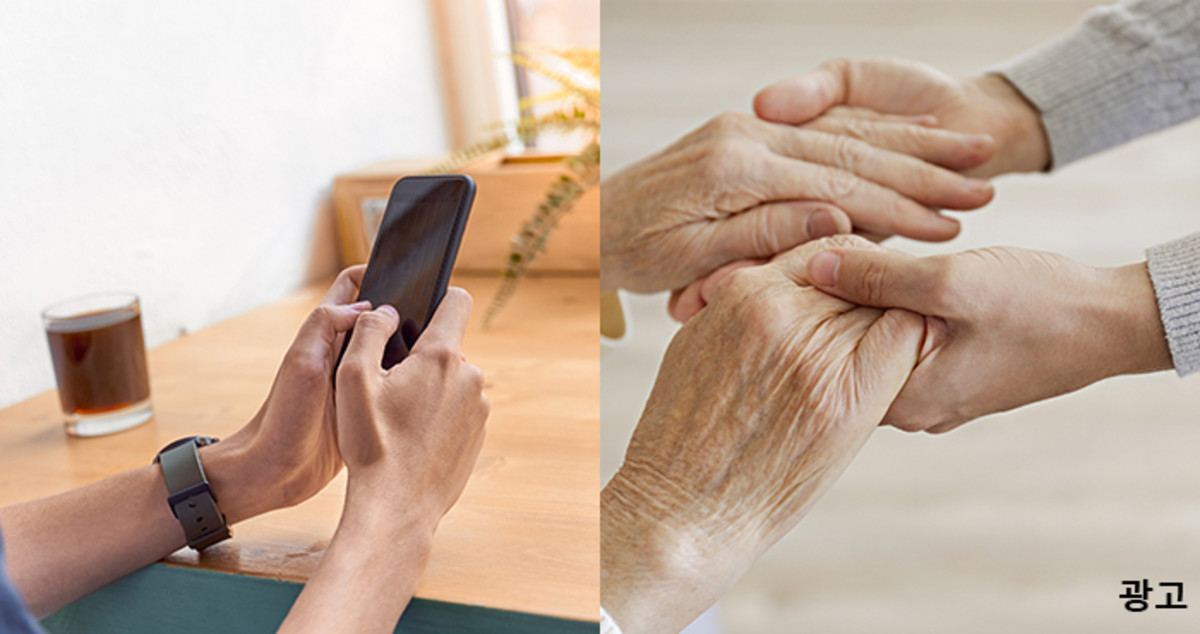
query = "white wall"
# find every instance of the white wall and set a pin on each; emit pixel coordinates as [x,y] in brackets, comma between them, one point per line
[184,150]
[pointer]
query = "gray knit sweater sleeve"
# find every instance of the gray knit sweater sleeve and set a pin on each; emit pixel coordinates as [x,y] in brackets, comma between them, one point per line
[1127,70]
[1175,271]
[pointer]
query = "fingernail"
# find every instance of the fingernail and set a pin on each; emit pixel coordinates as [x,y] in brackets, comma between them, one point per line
[387,308]
[927,120]
[821,224]
[822,269]
[979,141]
[949,223]
[976,185]
[361,306]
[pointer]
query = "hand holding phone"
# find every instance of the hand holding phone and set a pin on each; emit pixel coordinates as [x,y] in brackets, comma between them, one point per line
[414,253]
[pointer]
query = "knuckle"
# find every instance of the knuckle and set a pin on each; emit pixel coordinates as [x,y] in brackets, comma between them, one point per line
[859,129]
[944,285]
[764,317]
[373,320]
[871,280]
[750,302]
[836,184]
[443,354]
[322,314]
[918,139]
[719,158]
[838,64]
[850,127]
[305,364]
[726,122]
[926,179]
[739,285]
[474,377]
[845,240]
[849,153]
[761,238]
[351,373]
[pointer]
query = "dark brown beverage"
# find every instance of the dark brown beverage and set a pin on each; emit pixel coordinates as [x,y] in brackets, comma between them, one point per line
[100,360]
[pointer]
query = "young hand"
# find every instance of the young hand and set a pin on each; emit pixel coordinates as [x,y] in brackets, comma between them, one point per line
[987,104]
[1004,326]
[410,434]
[289,451]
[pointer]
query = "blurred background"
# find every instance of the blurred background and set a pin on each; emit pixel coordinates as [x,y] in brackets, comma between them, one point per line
[187,152]
[1026,521]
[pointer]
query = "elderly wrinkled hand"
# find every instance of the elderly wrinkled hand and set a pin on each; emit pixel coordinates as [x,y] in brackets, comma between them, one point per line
[739,187]
[760,404]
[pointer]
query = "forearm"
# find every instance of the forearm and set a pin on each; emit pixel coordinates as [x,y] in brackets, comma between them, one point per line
[656,577]
[1124,72]
[644,585]
[65,546]
[367,576]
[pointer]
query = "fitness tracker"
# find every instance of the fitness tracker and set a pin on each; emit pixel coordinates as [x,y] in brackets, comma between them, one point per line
[188,494]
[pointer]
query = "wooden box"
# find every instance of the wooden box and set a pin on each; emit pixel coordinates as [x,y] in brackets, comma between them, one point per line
[509,190]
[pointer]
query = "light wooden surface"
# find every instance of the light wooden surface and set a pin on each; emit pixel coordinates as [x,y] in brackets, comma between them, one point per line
[524,535]
[1022,522]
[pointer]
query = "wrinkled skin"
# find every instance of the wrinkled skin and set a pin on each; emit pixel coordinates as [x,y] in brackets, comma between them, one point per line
[761,402]
[739,187]
[1006,327]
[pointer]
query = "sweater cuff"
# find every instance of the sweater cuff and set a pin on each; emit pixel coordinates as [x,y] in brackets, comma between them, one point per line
[1175,272]
[1123,73]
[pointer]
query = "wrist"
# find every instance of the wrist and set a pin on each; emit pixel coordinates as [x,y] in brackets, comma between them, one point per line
[384,537]
[1021,141]
[367,575]
[381,503]
[234,475]
[1134,335]
[654,576]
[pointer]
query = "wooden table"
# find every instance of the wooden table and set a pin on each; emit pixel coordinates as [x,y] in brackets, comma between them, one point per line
[518,553]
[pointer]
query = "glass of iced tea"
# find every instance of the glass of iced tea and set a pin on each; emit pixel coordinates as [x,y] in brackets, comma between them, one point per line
[100,362]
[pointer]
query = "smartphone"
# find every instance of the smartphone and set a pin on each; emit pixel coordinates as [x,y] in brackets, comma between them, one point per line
[414,253]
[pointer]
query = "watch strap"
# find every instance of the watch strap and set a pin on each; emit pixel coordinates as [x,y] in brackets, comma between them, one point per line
[191,498]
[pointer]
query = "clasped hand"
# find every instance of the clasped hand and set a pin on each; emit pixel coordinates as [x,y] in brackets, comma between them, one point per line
[740,187]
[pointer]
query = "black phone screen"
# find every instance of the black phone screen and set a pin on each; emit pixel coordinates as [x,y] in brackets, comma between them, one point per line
[414,252]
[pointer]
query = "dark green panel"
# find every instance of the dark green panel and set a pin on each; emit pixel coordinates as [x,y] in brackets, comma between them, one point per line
[163,598]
